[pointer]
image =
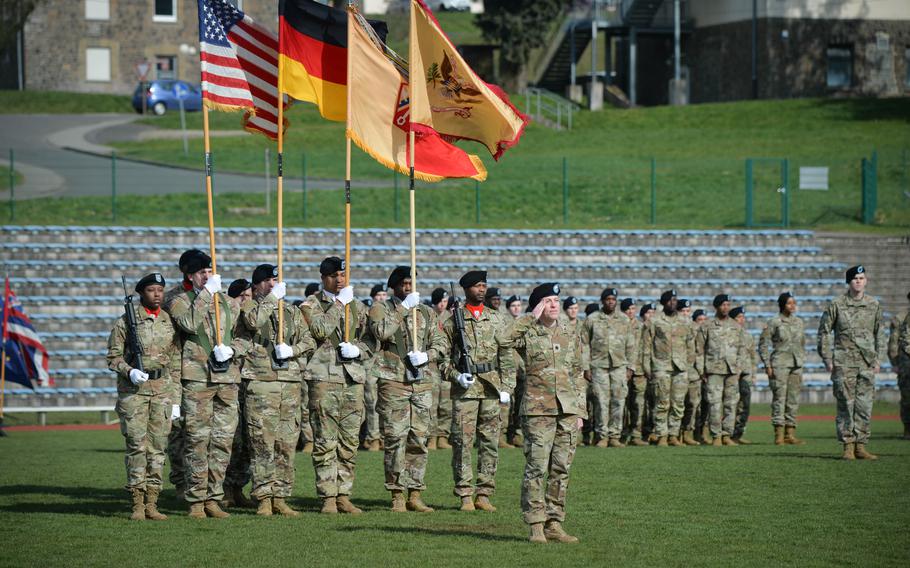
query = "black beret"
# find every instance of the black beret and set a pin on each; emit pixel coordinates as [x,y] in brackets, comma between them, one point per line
[492,293]
[541,292]
[368,302]
[438,295]
[148,280]
[238,287]
[738,310]
[400,273]
[569,302]
[376,289]
[311,288]
[626,304]
[682,304]
[609,292]
[512,299]
[665,297]
[193,261]
[782,300]
[264,272]
[185,257]
[591,308]
[720,299]
[645,309]
[472,277]
[854,270]
[698,313]
[331,265]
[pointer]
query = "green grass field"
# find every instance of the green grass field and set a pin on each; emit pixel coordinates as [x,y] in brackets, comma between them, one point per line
[63,505]
[4,178]
[56,102]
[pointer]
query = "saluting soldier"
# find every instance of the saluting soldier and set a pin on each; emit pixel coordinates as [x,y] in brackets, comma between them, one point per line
[405,393]
[336,375]
[782,348]
[477,393]
[748,366]
[552,406]
[147,394]
[856,322]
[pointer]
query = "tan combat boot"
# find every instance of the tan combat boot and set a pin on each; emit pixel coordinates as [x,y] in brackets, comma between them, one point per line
[728,441]
[416,504]
[431,443]
[652,438]
[308,448]
[848,454]
[790,437]
[553,531]
[637,442]
[779,436]
[467,503]
[442,443]
[483,503]
[213,509]
[280,506]
[602,444]
[742,441]
[138,505]
[345,506]
[504,443]
[374,446]
[518,441]
[674,441]
[537,535]
[265,507]
[151,504]
[662,442]
[398,505]
[615,443]
[717,442]
[197,510]
[228,500]
[862,454]
[329,505]
[689,439]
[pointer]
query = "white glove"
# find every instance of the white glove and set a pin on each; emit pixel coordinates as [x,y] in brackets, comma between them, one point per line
[283,351]
[223,353]
[346,295]
[280,290]
[175,411]
[505,398]
[137,377]
[213,284]
[411,300]
[465,380]
[349,351]
[418,358]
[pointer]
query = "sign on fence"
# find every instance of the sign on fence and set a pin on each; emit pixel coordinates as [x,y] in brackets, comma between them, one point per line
[813,178]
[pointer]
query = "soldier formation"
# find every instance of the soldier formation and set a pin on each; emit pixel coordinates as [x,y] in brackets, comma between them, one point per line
[229,385]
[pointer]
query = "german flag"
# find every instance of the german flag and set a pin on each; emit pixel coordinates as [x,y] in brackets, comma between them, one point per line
[312,61]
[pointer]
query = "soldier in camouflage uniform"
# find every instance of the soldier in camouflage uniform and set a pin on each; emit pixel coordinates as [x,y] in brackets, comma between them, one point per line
[693,404]
[405,394]
[782,349]
[719,352]
[668,344]
[552,406]
[900,362]
[273,395]
[336,375]
[441,412]
[147,399]
[372,435]
[515,309]
[635,401]
[749,366]
[647,420]
[211,373]
[609,339]
[239,471]
[855,319]
[305,441]
[478,393]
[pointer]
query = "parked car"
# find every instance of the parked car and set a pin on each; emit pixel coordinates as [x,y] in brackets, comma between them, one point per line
[164,95]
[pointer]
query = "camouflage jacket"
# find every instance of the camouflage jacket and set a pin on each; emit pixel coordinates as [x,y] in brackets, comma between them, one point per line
[749,363]
[259,326]
[488,340]
[610,340]
[391,325]
[578,328]
[783,343]
[719,348]
[859,332]
[638,330]
[904,344]
[897,358]
[550,354]
[327,322]
[194,315]
[160,352]
[668,344]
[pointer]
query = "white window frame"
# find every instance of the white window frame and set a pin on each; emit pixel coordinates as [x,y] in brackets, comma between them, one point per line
[102,6]
[165,19]
[88,60]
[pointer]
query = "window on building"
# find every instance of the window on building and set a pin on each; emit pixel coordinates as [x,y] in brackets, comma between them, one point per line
[166,66]
[98,64]
[97,9]
[165,11]
[840,67]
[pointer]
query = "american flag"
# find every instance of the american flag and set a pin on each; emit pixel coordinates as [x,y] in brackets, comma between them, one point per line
[26,357]
[239,65]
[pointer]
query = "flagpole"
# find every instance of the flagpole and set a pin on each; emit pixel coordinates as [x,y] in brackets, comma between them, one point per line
[412,154]
[347,185]
[280,199]
[208,193]
[3,357]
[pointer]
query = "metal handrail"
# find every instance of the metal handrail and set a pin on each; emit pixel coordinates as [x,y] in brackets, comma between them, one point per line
[548,107]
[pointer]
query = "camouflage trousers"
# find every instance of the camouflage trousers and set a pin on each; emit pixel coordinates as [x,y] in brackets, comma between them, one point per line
[744,406]
[306,429]
[549,447]
[670,396]
[370,415]
[145,421]
[238,472]
[337,412]
[609,390]
[647,422]
[704,410]
[854,389]
[513,424]
[404,417]
[478,419]
[273,423]
[785,389]
[693,403]
[723,396]
[635,406]
[176,449]
[441,412]
[903,383]
[210,410]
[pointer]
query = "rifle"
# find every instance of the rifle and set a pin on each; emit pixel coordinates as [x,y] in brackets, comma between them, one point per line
[465,361]
[132,335]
